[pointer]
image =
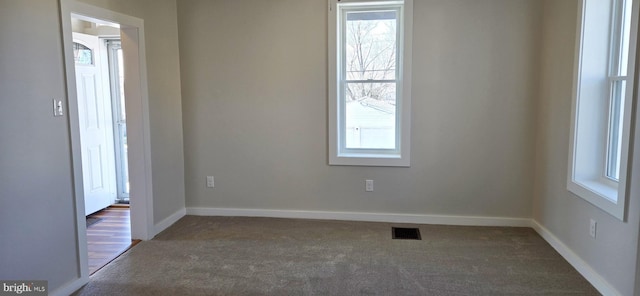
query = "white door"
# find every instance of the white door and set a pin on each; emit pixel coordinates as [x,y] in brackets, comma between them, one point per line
[96,130]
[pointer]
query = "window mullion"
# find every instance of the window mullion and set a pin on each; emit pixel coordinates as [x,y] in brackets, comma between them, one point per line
[371,81]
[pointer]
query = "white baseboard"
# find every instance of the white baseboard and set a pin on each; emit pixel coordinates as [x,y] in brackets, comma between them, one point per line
[70,287]
[367,217]
[580,265]
[164,224]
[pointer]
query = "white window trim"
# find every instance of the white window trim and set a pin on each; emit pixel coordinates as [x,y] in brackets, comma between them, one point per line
[598,189]
[401,158]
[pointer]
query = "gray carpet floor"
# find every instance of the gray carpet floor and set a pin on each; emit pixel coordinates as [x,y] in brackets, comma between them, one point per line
[263,256]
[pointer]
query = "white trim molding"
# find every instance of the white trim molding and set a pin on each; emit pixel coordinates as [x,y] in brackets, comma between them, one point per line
[69,288]
[364,217]
[580,265]
[167,222]
[137,105]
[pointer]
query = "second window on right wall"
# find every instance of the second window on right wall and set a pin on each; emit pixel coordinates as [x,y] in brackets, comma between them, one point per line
[603,95]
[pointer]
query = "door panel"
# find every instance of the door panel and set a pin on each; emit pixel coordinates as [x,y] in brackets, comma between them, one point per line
[96,131]
[89,96]
[96,168]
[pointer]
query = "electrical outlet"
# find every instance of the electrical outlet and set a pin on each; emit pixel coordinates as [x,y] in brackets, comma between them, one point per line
[592,228]
[210,181]
[368,185]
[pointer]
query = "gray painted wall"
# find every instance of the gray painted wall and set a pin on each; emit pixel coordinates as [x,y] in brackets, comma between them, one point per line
[37,211]
[613,253]
[165,109]
[254,89]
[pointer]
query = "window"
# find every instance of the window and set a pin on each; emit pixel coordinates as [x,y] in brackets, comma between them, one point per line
[618,76]
[602,103]
[82,54]
[369,82]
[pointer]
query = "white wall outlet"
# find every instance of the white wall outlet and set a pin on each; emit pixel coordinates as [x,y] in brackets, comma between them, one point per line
[368,185]
[592,228]
[210,181]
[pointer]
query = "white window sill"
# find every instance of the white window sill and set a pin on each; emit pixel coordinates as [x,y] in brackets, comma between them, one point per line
[601,188]
[600,193]
[391,160]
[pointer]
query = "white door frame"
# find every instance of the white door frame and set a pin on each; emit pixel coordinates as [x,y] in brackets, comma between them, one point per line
[137,108]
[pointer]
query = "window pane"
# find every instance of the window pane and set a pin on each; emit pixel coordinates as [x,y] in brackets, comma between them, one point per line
[625,31]
[123,114]
[370,47]
[615,129]
[124,152]
[82,54]
[370,111]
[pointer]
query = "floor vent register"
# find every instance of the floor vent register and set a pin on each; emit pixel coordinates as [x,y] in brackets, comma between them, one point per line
[405,233]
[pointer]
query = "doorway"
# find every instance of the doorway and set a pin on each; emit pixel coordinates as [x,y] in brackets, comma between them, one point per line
[137,117]
[99,72]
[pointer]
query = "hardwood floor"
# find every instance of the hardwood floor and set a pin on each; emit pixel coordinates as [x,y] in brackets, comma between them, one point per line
[109,237]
